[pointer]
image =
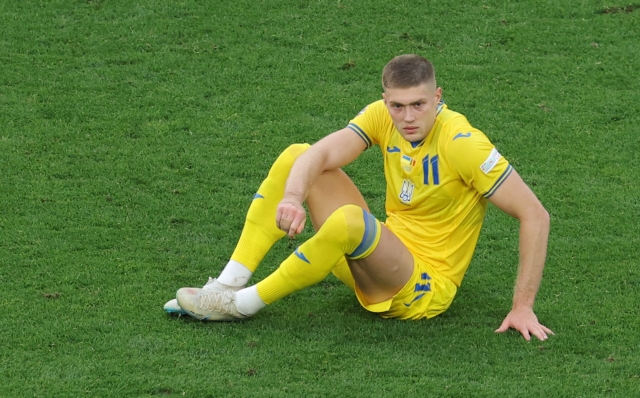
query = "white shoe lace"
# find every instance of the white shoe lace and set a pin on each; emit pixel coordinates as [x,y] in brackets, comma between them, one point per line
[218,301]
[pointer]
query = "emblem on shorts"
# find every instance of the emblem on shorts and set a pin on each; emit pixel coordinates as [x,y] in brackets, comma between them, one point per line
[423,287]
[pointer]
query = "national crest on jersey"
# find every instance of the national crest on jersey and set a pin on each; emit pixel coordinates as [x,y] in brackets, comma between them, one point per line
[436,189]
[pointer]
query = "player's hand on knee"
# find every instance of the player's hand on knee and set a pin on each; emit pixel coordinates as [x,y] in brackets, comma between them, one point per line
[290,217]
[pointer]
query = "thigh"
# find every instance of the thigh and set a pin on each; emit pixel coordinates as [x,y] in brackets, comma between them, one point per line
[386,271]
[383,273]
[331,190]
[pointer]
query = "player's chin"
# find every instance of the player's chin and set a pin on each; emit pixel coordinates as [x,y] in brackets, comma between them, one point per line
[413,137]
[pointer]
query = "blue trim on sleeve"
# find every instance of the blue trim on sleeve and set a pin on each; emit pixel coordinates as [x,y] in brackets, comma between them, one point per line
[499,182]
[361,134]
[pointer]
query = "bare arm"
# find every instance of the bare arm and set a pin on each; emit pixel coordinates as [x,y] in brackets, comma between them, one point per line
[333,151]
[516,199]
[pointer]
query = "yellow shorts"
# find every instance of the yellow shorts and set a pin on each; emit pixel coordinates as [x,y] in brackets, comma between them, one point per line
[426,294]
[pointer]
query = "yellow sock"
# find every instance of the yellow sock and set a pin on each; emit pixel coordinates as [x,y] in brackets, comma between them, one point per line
[260,231]
[350,231]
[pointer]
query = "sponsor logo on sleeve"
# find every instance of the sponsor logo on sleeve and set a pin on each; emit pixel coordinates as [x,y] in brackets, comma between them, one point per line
[491,161]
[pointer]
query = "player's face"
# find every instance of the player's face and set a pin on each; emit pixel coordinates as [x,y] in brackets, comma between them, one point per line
[413,110]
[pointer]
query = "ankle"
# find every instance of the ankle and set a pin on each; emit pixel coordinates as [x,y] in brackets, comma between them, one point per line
[234,274]
[248,302]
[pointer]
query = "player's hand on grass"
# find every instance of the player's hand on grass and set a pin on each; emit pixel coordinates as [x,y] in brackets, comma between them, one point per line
[290,217]
[525,321]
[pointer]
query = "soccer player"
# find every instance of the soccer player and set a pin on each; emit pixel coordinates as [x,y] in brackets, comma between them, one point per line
[440,172]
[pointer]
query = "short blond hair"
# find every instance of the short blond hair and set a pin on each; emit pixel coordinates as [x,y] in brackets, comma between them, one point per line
[407,70]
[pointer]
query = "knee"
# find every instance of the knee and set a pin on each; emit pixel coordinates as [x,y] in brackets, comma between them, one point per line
[296,150]
[347,217]
[361,227]
[285,161]
[353,215]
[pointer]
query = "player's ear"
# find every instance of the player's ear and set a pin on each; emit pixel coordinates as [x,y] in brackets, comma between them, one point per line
[384,97]
[438,94]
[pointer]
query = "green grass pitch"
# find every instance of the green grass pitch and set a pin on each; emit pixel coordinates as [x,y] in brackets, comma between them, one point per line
[133,135]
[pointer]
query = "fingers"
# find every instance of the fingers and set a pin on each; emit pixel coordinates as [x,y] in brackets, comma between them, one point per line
[539,331]
[278,216]
[295,226]
[542,336]
[525,334]
[301,226]
[542,332]
[525,328]
[503,328]
[290,218]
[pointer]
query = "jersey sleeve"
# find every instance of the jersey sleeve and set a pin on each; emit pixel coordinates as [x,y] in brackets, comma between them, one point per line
[477,161]
[368,124]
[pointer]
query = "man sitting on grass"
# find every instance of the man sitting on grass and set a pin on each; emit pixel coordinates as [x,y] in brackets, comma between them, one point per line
[441,173]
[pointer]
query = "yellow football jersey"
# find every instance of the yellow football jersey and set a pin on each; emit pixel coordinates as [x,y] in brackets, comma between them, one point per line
[437,189]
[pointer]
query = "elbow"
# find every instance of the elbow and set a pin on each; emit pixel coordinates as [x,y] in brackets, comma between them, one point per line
[543,216]
[536,214]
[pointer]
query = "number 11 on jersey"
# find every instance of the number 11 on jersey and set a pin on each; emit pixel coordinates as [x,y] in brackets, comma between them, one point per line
[433,165]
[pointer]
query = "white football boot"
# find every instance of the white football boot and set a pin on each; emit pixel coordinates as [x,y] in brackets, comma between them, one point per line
[214,302]
[172,306]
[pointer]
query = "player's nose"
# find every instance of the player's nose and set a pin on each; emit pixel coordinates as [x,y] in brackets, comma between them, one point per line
[409,116]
